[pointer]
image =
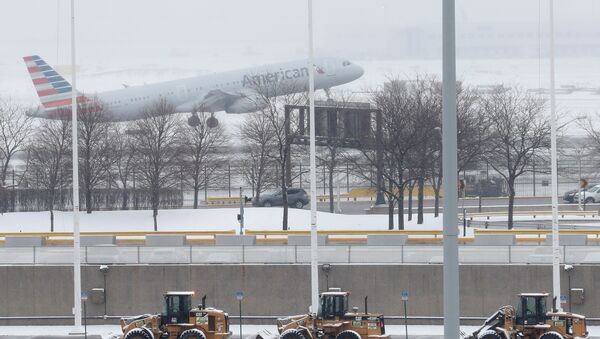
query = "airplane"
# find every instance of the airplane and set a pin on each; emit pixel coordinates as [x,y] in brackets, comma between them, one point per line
[234,92]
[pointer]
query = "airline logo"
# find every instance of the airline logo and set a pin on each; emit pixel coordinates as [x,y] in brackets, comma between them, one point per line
[52,89]
[274,77]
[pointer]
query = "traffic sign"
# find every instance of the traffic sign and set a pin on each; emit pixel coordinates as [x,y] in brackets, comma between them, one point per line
[404,295]
[563,299]
[239,295]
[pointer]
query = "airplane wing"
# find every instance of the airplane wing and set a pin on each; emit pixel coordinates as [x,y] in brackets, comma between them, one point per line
[216,100]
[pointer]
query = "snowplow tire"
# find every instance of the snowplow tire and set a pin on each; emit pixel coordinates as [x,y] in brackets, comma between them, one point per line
[348,334]
[489,334]
[139,333]
[192,334]
[292,334]
[551,335]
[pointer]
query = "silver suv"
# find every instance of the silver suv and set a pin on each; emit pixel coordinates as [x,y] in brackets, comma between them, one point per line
[296,197]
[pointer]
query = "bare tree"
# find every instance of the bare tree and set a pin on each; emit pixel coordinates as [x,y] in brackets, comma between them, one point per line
[49,159]
[271,98]
[158,149]
[124,156]
[258,136]
[199,148]
[96,147]
[333,152]
[15,129]
[519,133]
[402,134]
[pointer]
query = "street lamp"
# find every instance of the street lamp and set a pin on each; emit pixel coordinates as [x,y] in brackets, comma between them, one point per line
[239,295]
[76,235]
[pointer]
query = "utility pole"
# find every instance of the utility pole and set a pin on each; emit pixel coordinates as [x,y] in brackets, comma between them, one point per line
[76,236]
[554,164]
[314,259]
[450,175]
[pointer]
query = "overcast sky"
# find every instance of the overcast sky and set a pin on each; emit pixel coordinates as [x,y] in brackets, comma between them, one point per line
[265,27]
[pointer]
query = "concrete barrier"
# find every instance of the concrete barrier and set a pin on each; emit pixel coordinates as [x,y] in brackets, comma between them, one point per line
[137,289]
[304,240]
[96,240]
[568,239]
[24,241]
[494,240]
[234,240]
[386,240]
[165,240]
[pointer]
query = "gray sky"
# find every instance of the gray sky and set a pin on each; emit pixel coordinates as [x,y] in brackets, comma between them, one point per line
[267,27]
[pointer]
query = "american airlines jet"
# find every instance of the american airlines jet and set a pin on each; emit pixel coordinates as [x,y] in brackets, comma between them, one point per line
[233,91]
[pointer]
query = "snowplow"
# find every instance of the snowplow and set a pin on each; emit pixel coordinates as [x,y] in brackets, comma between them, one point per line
[332,321]
[178,320]
[531,320]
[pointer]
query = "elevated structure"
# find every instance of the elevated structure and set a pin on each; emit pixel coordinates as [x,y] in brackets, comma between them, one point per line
[354,125]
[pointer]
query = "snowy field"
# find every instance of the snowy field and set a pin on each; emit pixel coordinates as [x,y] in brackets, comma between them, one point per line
[224,219]
[217,219]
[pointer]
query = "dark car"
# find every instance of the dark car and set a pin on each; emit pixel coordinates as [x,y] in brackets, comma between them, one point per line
[296,197]
[569,196]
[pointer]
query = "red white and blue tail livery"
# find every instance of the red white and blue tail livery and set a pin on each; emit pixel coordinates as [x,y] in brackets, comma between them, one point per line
[52,89]
[233,91]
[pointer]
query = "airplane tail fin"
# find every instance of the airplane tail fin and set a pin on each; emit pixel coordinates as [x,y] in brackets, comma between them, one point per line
[52,89]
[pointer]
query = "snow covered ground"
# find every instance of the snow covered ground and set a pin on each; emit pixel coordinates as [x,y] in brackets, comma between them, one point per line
[221,219]
[199,220]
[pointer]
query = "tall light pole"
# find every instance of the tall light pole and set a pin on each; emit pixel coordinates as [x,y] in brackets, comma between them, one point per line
[554,164]
[450,174]
[76,238]
[314,255]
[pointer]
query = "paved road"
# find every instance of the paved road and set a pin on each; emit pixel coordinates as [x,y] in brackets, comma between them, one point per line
[359,207]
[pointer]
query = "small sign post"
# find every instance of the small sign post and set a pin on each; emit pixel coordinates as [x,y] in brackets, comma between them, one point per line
[239,295]
[404,296]
[563,299]
[84,298]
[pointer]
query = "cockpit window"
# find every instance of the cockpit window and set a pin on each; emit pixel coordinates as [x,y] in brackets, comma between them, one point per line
[346,63]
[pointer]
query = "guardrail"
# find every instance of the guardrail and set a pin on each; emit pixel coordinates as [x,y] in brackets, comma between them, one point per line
[125,238]
[334,254]
[534,214]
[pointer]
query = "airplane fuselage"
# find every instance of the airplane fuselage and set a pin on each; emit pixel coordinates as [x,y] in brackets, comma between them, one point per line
[232,91]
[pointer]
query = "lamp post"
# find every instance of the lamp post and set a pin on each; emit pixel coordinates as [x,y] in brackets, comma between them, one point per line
[76,235]
[239,295]
[554,172]
[314,260]
[450,175]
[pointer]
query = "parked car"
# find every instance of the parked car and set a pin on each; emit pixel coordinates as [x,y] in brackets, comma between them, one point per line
[589,196]
[296,197]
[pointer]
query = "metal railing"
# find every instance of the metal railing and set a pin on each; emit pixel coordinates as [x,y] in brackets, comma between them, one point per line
[335,254]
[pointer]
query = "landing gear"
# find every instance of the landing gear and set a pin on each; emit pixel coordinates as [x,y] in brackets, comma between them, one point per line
[212,122]
[194,120]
